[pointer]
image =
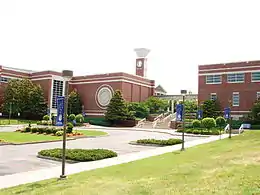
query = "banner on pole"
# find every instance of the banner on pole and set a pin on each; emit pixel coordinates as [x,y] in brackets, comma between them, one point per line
[200,114]
[227,113]
[60,111]
[179,112]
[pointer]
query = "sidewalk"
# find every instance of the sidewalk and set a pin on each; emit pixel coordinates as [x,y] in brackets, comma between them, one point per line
[38,175]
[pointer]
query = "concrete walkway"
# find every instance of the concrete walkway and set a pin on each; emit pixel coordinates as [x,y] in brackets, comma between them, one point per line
[38,175]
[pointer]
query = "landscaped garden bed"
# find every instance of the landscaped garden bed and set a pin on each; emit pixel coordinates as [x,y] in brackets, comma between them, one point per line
[77,155]
[155,142]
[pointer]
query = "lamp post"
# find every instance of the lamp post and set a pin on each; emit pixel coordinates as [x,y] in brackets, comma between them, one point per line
[183,93]
[67,75]
[10,110]
[230,104]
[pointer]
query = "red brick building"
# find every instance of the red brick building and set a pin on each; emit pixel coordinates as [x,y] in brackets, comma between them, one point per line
[237,83]
[95,90]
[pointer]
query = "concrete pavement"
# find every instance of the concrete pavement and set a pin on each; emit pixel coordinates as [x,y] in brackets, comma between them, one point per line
[38,175]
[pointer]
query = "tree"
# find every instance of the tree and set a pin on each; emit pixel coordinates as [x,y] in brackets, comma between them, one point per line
[211,108]
[156,105]
[26,98]
[190,106]
[254,114]
[140,109]
[74,103]
[117,109]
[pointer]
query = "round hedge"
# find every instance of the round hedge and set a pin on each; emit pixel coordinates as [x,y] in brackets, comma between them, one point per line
[81,155]
[196,123]
[168,142]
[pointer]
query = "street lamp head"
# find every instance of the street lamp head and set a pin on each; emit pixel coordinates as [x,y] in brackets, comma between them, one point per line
[67,74]
[183,92]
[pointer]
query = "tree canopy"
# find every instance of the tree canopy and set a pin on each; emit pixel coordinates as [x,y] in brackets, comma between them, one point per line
[74,103]
[24,97]
[211,109]
[156,105]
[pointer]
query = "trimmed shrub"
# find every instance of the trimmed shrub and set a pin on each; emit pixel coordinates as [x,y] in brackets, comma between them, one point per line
[100,123]
[196,124]
[208,123]
[27,129]
[220,121]
[46,117]
[59,133]
[196,131]
[69,127]
[72,117]
[79,118]
[81,155]
[34,130]
[159,142]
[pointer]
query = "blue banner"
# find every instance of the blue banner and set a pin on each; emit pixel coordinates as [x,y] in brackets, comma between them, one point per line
[227,113]
[60,111]
[179,112]
[200,114]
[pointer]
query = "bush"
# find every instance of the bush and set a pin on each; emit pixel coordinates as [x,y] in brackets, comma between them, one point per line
[196,124]
[79,118]
[59,133]
[208,123]
[46,117]
[34,130]
[81,155]
[72,117]
[103,123]
[196,131]
[159,142]
[27,129]
[69,127]
[220,121]
[140,109]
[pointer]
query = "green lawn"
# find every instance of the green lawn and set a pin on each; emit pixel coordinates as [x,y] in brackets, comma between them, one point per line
[17,137]
[222,167]
[15,122]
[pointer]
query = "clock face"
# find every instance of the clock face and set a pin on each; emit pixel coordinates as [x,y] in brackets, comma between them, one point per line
[139,63]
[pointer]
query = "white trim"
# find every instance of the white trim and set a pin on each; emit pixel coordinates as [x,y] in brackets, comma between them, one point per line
[52,82]
[231,68]
[226,72]
[41,79]
[112,81]
[18,69]
[111,78]
[240,111]
[95,114]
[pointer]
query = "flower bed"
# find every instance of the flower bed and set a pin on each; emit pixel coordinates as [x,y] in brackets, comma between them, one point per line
[80,155]
[168,142]
[49,131]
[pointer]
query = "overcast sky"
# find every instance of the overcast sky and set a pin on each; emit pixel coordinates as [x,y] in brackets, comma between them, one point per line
[99,36]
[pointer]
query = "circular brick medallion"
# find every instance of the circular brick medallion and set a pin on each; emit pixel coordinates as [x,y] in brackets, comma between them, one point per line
[103,96]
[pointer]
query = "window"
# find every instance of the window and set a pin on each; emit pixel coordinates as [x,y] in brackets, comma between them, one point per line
[56,91]
[257,95]
[213,79]
[213,96]
[235,99]
[4,79]
[255,76]
[236,78]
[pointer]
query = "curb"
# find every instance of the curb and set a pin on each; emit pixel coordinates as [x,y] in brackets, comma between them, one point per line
[146,130]
[56,159]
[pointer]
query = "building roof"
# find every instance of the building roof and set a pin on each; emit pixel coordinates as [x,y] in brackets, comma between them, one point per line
[160,89]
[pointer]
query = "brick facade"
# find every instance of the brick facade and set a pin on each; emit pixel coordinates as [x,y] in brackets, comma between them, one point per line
[241,88]
[93,89]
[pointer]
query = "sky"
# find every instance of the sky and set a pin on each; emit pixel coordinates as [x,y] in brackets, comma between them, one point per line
[99,36]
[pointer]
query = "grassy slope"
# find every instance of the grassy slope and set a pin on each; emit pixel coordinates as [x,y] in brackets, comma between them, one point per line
[222,167]
[17,137]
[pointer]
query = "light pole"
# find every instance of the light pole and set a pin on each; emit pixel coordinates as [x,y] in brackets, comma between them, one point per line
[230,104]
[67,75]
[183,93]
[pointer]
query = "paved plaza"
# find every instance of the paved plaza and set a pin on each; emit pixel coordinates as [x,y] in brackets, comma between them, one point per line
[22,158]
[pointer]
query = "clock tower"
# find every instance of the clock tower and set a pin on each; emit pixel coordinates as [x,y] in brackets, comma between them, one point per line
[141,61]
